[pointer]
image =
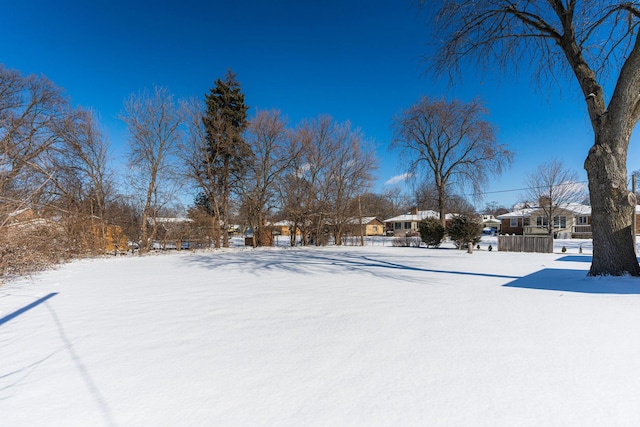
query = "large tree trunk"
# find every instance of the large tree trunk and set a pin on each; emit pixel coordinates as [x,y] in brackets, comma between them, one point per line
[442,205]
[612,205]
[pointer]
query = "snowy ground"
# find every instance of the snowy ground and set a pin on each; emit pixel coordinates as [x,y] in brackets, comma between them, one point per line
[351,336]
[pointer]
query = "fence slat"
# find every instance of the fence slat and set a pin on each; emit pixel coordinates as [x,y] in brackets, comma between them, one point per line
[538,244]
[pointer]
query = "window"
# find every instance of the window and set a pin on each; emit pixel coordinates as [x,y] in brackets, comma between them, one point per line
[375,228]
[542,221]
[407,226]
[560,221]
[513,222]
[583,220]
[397,226]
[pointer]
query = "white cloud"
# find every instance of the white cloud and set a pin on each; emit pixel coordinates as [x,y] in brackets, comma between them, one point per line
[398,179]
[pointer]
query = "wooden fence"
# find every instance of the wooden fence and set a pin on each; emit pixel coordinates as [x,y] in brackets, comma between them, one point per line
[539,244]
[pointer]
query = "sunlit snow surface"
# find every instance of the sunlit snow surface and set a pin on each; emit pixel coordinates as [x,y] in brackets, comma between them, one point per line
[333,336]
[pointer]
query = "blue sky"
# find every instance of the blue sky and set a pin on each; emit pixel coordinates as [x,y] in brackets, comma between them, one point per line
[361,61]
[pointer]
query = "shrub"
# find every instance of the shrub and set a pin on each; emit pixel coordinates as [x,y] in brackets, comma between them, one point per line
[464,229]
[431,232]
[27,249]
[406,241]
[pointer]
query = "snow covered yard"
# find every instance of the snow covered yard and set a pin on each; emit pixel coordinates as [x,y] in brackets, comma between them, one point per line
[372,336]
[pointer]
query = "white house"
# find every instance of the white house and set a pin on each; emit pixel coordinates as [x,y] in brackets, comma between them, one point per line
[570,220]
[407,224]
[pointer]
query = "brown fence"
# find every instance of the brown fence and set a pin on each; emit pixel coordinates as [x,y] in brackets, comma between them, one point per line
[539,244]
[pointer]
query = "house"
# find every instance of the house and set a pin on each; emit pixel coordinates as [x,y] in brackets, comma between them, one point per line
[491,223]
[372,226]
[407,224]
[570,220]
[282,228]
[515,221]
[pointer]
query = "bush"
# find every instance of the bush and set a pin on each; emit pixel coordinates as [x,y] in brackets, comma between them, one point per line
[28,249]
[406,241]
[464,229]
[431,232]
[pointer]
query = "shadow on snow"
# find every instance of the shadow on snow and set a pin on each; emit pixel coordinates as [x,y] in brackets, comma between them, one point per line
[26,308]
[309,262]
[555,279]
[317,261]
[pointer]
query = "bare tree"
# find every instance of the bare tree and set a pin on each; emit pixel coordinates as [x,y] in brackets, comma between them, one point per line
[272,154]
[349,174]
[46,185]
[331,167]
[380,206]
[154,124]
[494,208]
[200,165]
[450,144]
[305,197]
[84,182]
[593,40]
[33,116]
[553,186]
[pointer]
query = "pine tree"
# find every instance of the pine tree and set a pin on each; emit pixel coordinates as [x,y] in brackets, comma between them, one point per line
[464,229]
[225,120]
[431,232]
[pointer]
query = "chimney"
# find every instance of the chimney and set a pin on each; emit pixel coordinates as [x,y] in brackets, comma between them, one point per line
[544,201]
[414,211]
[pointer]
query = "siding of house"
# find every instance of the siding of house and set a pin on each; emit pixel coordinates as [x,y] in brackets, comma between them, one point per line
[506,228]
[374,228]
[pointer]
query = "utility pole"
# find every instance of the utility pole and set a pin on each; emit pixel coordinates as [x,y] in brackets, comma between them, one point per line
[633,215]
[360,214]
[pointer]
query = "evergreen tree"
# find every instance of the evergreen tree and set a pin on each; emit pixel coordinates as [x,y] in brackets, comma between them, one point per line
[431,231]
[225,120]
[464,229]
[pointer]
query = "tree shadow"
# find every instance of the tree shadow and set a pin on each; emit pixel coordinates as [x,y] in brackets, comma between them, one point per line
[22,373]
[310,262]
[553,279]
[576,258]
[579,258]
[26,308]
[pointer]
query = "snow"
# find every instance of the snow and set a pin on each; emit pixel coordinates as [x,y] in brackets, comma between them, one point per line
[333,336]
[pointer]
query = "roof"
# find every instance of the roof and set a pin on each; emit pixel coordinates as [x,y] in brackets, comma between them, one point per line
[575,208]
[283,223]
[418,217]
[167,220]
[519,213]
[365,220]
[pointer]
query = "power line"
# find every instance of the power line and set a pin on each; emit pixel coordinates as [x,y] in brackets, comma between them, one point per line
[522,189]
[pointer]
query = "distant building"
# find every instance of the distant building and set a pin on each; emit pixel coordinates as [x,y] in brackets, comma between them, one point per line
[570,220]
[407,224]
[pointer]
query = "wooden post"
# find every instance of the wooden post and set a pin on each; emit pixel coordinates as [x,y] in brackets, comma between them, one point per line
[360,215]
[633,215]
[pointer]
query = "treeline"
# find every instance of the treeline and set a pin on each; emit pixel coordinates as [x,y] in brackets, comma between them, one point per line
[60,196]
